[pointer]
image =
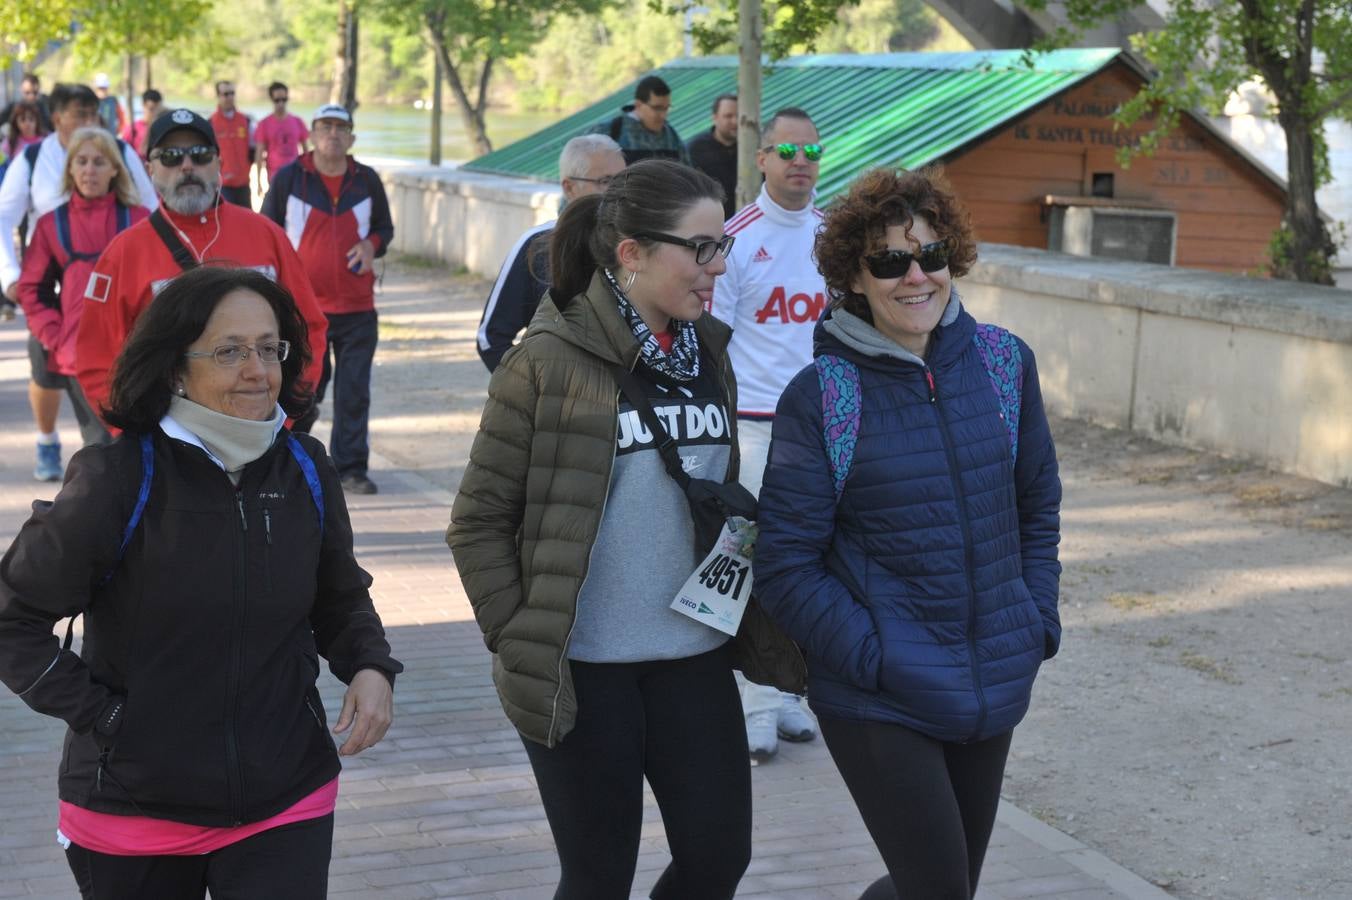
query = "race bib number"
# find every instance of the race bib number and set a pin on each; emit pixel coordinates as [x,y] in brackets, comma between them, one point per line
[717,592]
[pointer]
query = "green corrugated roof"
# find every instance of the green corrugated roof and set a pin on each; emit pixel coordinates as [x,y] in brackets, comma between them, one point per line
[897,109]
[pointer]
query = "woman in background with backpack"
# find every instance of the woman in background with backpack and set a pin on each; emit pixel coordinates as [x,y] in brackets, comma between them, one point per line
[909,522]
[210,553]
[56,269]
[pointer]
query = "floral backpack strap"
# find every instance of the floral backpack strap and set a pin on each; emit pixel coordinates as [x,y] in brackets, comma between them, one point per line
[1004,366]
[841,397]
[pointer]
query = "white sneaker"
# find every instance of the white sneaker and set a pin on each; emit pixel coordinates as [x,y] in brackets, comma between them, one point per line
[795,723]
[761,739]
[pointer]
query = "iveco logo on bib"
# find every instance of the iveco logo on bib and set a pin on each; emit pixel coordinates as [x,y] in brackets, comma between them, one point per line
[684,422]
[796,308]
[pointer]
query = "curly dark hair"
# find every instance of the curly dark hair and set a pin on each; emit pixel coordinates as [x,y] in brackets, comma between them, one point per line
[856,225]
[152,358]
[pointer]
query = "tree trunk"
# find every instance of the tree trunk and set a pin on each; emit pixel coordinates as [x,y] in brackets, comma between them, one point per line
[435,157]
[150,82]
[1311,247]
[472,115]
[130,72]
[344,89]
[750,33]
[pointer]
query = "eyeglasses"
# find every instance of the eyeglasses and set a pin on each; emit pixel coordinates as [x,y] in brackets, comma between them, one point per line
[604,180]
[232,356]
[227,93]
[812,152]
[280,99]
[335,127]
[665,107]
[172,157]
[896,263]
[704,250]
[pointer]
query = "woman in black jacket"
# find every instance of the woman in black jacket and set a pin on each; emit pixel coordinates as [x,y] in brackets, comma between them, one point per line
[211,555]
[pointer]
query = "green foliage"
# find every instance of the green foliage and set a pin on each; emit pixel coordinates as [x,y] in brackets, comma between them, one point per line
[580,58]
[881,26]
[100,31]
[791,26]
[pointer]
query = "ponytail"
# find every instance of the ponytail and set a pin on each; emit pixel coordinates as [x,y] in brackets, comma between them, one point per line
[571,264]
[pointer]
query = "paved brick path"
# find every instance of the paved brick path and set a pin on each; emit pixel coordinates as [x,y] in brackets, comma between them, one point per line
[446,806]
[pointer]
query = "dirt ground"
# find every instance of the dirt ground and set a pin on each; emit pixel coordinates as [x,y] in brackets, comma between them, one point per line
[1197,724]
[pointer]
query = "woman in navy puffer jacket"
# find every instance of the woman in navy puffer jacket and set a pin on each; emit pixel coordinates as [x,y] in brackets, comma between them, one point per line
[909,523]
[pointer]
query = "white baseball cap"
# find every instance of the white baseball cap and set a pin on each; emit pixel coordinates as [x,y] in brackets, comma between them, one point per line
[333,111]
[101,80]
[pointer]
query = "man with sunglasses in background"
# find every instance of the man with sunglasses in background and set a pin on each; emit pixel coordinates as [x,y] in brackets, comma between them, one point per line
[772,295]
[191,226]
[641,129]
[280,137]
[587,165]
[235,142]
[335,212]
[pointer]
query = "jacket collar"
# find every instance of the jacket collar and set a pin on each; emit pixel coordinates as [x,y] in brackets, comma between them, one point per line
[842,333]
[789,218]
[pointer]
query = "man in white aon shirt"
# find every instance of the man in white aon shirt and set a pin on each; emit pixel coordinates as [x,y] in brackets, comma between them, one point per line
[772,295]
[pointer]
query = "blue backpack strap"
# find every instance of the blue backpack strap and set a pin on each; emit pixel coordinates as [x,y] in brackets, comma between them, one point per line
[142,495]
[841,404]
[123,218]
[30,153]
[1004,366]
[307,466]
[62,218]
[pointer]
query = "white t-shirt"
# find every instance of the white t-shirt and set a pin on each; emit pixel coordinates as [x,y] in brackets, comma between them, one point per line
[772,295]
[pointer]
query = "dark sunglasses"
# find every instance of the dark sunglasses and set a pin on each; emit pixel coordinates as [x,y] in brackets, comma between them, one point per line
[280,99]
[896,263]
[704,250]
[172,157]
[811,152]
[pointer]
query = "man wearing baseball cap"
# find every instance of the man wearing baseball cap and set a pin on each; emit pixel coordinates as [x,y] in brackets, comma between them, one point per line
[111,113]
[191,227]
[335,212]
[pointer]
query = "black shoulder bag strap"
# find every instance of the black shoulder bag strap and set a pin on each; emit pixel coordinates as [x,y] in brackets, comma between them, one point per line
[181,254]
[666,444]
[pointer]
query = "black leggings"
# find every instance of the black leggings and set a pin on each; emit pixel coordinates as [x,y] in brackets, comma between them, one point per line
[929,805]
[290,861]
[677,722]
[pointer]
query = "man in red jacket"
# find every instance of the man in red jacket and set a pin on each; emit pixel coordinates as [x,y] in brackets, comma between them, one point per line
[192,226]
[335,213]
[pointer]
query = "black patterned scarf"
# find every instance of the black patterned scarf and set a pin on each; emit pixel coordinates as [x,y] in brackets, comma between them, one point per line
[682,363]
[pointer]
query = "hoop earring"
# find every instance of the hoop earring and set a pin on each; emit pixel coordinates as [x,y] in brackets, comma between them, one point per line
[629,282]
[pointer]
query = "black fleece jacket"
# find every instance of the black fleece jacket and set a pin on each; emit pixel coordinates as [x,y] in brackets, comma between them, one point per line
[193,698]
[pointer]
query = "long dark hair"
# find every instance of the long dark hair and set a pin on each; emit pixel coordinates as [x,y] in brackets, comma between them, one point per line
[651,195]
[152,358]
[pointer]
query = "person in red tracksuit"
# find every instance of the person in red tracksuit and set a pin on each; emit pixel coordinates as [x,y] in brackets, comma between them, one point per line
[191,227]
[335,212]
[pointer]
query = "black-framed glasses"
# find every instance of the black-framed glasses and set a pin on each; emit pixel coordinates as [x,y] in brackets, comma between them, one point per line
[232,356]
[172,157]
[604,180]
[333,126]
[280,99]
[811,152]
[896,263]
[704,250]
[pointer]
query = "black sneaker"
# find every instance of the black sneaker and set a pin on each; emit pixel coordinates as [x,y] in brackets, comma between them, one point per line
[359,484]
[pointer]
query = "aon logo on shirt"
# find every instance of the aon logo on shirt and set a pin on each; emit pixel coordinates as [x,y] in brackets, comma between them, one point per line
[791,308]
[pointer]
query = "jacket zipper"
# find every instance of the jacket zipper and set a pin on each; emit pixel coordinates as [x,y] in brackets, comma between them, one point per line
[967,552]
[234,771]
[605,501]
